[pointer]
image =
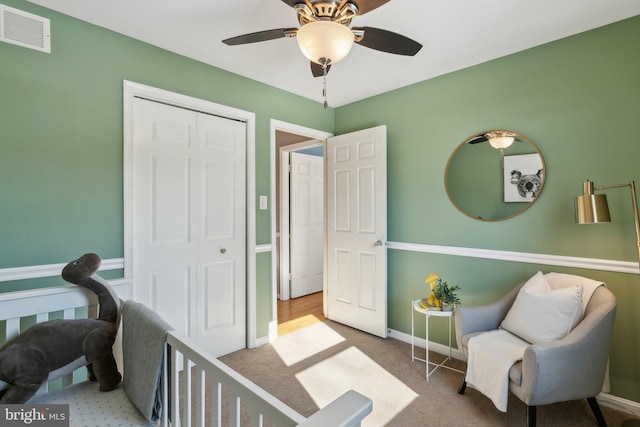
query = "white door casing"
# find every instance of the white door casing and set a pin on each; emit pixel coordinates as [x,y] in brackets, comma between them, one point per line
[357,230]
[283,251]
[189,222]
[307,224]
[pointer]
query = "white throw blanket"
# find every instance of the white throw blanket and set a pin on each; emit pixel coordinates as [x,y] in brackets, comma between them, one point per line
[491,354]
[561,280]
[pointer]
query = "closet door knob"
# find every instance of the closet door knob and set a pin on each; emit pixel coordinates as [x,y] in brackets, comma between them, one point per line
[223,251]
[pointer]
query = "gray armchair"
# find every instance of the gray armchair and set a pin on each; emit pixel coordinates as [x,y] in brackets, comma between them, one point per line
[570,368]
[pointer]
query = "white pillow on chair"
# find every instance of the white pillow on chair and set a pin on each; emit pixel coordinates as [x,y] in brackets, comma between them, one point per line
[541,314]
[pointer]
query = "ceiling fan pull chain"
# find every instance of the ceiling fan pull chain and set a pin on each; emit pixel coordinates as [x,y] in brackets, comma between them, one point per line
[324,90]
[324,82]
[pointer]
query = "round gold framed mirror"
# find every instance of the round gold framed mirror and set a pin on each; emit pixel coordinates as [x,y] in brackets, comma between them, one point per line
[495,175]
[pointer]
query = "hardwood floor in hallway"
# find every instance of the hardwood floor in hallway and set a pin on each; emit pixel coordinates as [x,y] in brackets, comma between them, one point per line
[297,313]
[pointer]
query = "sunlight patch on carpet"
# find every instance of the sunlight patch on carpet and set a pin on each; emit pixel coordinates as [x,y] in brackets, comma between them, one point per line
[301,344]
[297,323]
[352,369]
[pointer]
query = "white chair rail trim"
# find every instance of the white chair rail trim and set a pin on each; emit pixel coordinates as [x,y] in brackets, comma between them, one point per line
[50,270]
[264,248]
[531,258]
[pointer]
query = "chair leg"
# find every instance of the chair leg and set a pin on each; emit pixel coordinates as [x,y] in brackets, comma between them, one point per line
[595,408]
[531,416]
[463,385]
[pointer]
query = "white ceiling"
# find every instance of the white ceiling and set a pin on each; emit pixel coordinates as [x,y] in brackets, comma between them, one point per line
[455,34]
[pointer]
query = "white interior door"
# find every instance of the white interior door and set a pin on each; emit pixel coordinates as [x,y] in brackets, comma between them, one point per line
[307,224]
[221,187]
[189,222]
[357,229]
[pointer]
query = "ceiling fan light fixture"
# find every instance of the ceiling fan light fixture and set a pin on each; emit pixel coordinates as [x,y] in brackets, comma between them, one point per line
[325,41]
[500,139]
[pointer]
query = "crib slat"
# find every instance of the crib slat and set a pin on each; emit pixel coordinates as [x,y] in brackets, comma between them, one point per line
[234,411]
[236,388]
[216,402]
[67,380]
[256,417]
[42,317]
[93,311]
[186,383]
[200,399]
[164,422]
[69,313]
[175,389]
[12,328]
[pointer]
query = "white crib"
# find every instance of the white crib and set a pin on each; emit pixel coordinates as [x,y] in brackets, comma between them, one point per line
[188,362]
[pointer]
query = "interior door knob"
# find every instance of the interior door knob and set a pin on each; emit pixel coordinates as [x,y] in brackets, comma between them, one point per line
[223,251]
[378,243]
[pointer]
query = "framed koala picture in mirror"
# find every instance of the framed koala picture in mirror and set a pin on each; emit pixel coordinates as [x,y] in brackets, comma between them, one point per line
[523,177]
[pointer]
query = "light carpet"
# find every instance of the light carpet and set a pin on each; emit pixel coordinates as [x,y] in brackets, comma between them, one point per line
[312,366]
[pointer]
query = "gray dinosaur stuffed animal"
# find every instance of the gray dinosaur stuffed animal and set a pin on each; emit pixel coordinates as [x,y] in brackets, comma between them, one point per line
[51,349]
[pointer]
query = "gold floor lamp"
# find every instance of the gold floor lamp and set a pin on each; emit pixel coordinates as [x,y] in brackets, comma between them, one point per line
[593,208]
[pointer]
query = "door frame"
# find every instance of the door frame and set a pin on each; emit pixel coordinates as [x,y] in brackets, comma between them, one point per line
[316,137]
[132,90]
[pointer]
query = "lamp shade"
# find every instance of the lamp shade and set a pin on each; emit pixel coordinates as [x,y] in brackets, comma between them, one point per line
[325,41]
[592,208]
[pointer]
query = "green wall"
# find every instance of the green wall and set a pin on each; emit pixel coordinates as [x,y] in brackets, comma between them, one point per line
[578,100]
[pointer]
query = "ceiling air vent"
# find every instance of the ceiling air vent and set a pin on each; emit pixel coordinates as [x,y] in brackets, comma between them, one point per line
[24,29]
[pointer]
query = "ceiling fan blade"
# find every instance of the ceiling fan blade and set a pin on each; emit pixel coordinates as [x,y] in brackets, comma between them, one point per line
[317,71]
[477,139]
[260,36]
[365,6]
[387,41]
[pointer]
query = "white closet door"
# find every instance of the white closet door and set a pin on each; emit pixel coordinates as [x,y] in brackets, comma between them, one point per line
[220,184]
[307,224]
[189,222]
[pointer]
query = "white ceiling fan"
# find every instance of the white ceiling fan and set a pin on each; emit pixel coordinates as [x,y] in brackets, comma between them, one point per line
[325,36]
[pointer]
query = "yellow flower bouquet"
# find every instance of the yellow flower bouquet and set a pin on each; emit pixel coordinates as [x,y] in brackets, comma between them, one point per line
[442,294]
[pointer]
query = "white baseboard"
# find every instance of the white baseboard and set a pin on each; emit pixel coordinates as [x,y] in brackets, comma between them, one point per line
[605,399]
[260,341]
[421,342]
[619,403]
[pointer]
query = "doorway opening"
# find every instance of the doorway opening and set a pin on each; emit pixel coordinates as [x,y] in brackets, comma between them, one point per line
[297,313]
[292,310]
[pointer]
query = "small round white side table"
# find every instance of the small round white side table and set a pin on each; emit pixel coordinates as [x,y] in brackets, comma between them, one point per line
[416,307]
